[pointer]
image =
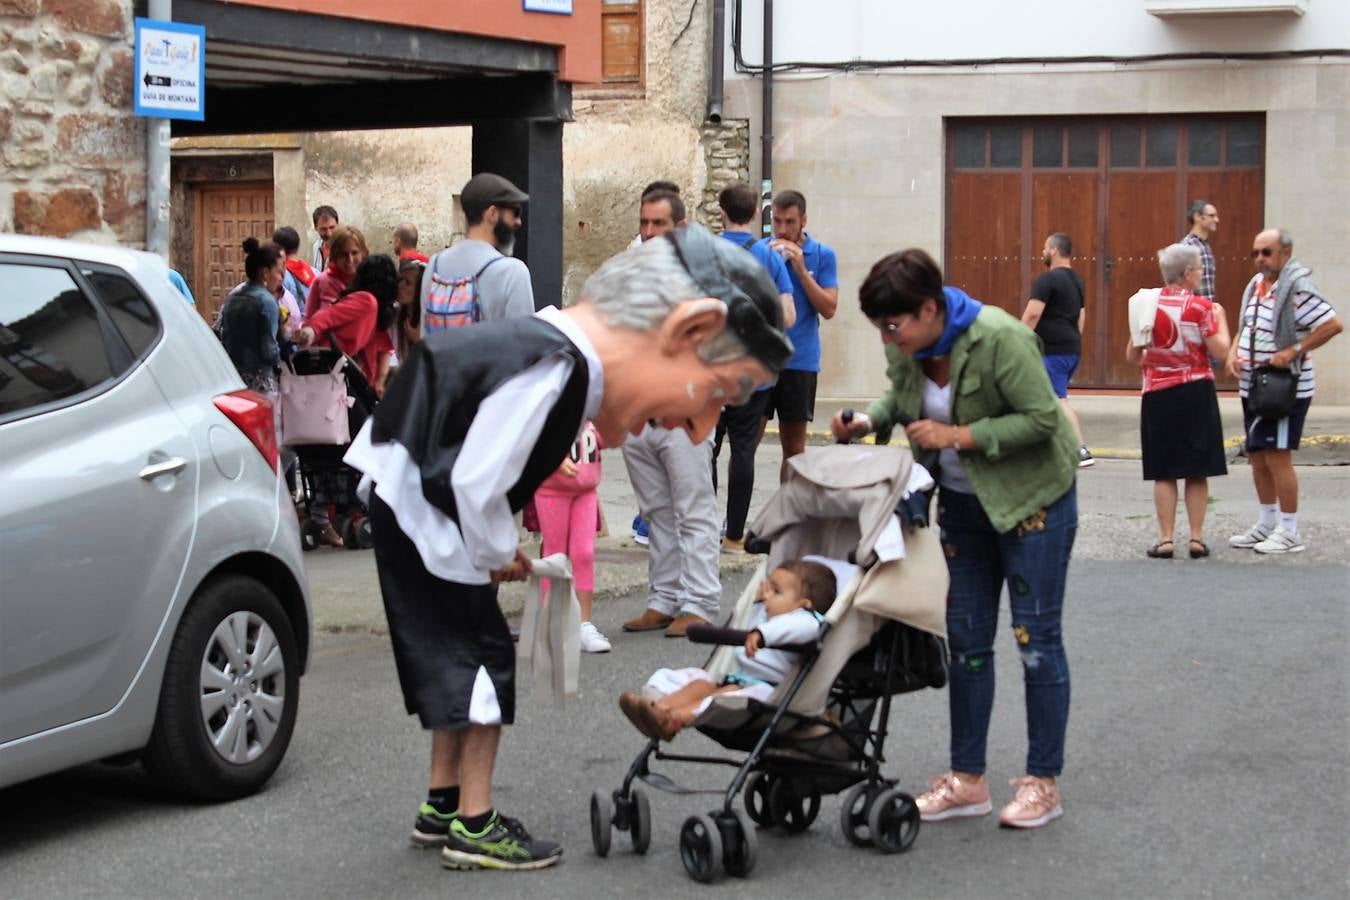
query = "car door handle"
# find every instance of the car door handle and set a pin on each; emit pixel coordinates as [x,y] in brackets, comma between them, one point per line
[171,466]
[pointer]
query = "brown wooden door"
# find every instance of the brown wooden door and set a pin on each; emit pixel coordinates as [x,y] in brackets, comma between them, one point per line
[226,215]
[1119,188]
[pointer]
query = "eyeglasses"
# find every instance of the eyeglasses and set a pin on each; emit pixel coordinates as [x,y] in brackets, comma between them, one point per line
[1264,251]
[894,327]
[697,252]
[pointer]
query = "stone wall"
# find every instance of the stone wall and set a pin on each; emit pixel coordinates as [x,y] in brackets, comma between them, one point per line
[726,155]
[74,156]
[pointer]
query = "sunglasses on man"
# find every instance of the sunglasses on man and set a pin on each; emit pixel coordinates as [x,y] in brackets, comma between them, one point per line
[1263,252]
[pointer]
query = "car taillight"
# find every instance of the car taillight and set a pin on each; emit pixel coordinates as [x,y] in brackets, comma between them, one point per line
[251,413]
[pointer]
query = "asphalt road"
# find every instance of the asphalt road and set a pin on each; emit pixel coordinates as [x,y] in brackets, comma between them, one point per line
[1206,757]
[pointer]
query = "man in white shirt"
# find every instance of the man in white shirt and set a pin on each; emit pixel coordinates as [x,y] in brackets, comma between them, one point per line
[475,420]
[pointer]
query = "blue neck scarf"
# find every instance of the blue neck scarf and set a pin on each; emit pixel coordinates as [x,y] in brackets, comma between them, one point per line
[961,311]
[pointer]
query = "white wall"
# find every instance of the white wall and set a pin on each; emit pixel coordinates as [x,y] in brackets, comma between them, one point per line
[846,30]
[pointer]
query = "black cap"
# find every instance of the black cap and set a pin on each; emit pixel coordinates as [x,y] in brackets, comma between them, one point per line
[486,189]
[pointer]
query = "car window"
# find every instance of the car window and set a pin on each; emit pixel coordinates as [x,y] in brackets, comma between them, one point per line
[130,311]
[51,345]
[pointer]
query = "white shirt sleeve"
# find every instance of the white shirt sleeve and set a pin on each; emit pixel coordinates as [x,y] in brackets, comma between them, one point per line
[494,453]
[796,627]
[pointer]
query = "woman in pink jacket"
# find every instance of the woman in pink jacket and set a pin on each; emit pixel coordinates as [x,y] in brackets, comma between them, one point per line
[345,253]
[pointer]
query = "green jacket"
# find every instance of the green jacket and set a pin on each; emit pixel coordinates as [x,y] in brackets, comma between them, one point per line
[1027,454]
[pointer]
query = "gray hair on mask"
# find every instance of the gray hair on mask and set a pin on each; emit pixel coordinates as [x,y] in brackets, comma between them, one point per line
[637,289]
[1174,260]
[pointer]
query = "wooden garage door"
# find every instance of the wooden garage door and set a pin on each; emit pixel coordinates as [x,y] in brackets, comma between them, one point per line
[1119,188]
[226,215]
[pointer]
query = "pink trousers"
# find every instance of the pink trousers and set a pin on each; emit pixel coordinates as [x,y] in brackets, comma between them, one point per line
[567,525]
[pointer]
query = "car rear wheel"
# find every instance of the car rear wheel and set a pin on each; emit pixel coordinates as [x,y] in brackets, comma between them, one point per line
[231,687]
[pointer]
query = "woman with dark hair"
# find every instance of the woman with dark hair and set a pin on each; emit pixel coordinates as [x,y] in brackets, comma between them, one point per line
[359,321]
[982,416]
[408,327]
[346,251]
[250,319]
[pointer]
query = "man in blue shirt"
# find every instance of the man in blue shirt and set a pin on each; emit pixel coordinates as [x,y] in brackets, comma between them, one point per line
[815,291]
[743,425]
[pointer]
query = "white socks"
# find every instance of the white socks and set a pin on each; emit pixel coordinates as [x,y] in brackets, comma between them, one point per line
[1270,515]
[1289,522]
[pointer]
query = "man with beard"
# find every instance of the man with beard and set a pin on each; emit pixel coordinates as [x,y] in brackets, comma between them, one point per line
[1055,312]
[492,212]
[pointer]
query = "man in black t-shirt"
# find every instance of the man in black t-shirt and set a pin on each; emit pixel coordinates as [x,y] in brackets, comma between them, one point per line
[1055,312]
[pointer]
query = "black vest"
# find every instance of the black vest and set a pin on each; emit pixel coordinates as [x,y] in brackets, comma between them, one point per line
[439,387]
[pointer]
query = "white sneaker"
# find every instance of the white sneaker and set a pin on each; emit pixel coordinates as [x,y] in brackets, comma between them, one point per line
[592,641]
[1281,541]
[1251,537]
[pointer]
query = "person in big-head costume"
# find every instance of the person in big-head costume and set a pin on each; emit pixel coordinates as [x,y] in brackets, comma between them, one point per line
[473,423]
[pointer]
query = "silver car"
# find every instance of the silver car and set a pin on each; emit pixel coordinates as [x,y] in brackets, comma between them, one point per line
[152,595]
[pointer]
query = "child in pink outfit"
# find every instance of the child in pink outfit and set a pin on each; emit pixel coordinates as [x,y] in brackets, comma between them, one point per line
[569,509]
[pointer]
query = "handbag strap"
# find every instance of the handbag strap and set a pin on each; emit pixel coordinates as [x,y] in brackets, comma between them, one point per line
[1295,365]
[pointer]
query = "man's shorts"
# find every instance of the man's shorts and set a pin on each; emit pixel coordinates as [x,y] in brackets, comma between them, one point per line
[793,398]
[1275,434]
[1060,367]
[452,647]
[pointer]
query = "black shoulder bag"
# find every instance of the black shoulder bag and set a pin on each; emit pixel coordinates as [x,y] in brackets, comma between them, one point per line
[1272,391]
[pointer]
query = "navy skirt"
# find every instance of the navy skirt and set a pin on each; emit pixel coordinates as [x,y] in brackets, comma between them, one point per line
[1181,433]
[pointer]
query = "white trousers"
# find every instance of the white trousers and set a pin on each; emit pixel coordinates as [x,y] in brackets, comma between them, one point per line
[672,477]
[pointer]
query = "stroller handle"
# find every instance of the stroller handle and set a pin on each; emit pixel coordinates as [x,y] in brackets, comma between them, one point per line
[735,637]
[904,420]
[711,634]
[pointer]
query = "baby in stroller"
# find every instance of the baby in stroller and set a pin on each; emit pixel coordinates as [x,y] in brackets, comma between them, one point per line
[789,609]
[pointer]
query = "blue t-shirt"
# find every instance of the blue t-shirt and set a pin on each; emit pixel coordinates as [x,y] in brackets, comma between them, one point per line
[805,332]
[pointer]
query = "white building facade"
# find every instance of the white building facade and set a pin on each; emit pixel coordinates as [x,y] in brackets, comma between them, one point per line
[975,128]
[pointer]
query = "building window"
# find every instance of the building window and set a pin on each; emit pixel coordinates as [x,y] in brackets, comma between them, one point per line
[621,42]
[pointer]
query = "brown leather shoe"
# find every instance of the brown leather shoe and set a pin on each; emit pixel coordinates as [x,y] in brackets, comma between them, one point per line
[328,535]
[680,626]
[650,620]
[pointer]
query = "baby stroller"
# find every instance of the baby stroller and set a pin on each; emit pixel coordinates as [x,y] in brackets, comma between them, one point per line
[325,399]
[823,730]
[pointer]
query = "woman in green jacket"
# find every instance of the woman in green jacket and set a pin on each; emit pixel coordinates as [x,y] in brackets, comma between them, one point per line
[969,381]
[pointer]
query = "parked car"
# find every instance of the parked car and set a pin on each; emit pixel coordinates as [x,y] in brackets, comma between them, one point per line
[152,595]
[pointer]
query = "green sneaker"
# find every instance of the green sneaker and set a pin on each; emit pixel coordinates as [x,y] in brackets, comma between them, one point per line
[503,844]
[431,826]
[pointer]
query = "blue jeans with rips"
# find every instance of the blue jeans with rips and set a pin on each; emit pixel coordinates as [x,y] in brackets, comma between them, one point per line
[1033,560]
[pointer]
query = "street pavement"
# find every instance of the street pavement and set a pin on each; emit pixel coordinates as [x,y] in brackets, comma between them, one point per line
[1206,751]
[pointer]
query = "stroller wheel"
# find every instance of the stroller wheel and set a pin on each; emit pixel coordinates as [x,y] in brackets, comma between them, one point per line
[740,843]
[365,539]
[757,798]
[640,821]
[602,818]
[794,812]
[893,821]
[854,811]
[700,847]
[309,536]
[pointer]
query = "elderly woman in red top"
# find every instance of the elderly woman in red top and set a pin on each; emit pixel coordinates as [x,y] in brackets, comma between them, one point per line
[345,252]
[359,321]
[1180,430]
